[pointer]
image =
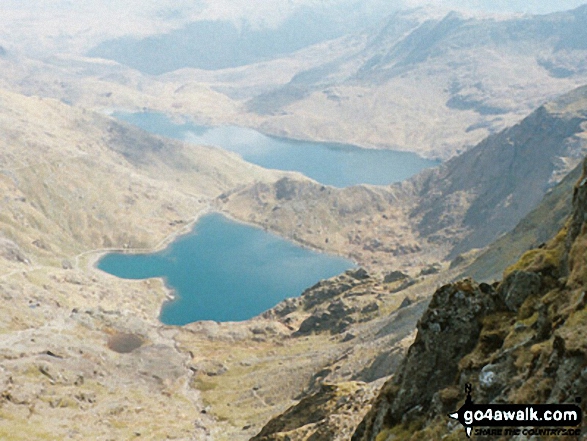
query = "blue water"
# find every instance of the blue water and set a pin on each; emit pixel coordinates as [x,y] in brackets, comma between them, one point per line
[339,165]
[226,271]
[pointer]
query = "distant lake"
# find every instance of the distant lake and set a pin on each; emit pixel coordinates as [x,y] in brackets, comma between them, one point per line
[339,165]
[226,271]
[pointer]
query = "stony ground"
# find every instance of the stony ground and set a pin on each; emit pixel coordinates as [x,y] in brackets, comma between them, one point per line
[83,355]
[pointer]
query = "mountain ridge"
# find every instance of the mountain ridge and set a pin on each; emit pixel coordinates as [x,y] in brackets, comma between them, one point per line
[453,67]
[439,213]
[524,345]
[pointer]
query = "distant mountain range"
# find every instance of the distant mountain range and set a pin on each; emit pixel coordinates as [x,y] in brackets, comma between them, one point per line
[432,85]
[501,99]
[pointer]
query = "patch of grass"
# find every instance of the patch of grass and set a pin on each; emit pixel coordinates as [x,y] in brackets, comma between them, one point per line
[529,321]
[384,435]
[534,259]
[12,429]
[535,389]
[541,258]
[438,431]
[578,262]
[402,431]
[495,330]
[517,337]
[574,332]
[203,385]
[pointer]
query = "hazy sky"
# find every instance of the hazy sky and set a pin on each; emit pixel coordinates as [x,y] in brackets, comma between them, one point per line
[527,6]
[48,26]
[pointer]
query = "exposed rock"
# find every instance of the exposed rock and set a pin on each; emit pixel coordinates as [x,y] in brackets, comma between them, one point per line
[523,342]
[405,303]
[430,269]
[382,366]
[371,307]
[517,286]
[328,289]
[11,251]
[453,323]
[405,284]
[394,276]
[285,189]
[330,414]
[335,319]
[359,273]
[457,261]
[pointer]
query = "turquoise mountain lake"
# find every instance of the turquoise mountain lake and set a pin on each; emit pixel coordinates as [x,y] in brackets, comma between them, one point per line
[226,271]
[339,165]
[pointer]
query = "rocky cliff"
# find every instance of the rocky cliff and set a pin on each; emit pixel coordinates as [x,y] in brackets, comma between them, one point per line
[522,340]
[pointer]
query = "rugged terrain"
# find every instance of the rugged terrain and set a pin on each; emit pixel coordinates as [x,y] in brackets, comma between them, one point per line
[82,358]
[518,341]
[423,81]
[464,204]
[83,355]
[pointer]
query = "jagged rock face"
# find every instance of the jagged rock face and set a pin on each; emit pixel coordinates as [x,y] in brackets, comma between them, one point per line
[394,276]
[579,215]
[525,341]
[517,286]
[453,323]
[330,305]
[512,171]
[336,319]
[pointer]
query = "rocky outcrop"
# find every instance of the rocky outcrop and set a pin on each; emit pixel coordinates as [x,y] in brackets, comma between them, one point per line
[519,341]
[330,414]
[517,287]
[331,305]
[11,251]
[452,322]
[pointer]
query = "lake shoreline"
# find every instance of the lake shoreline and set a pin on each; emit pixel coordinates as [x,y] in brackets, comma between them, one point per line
[228,271]
[336,163]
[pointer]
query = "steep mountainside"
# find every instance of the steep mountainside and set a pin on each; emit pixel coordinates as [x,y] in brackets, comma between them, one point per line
[432,85]
[486,191]
[82,354]
[519,341]
[466,203]
[531,232]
